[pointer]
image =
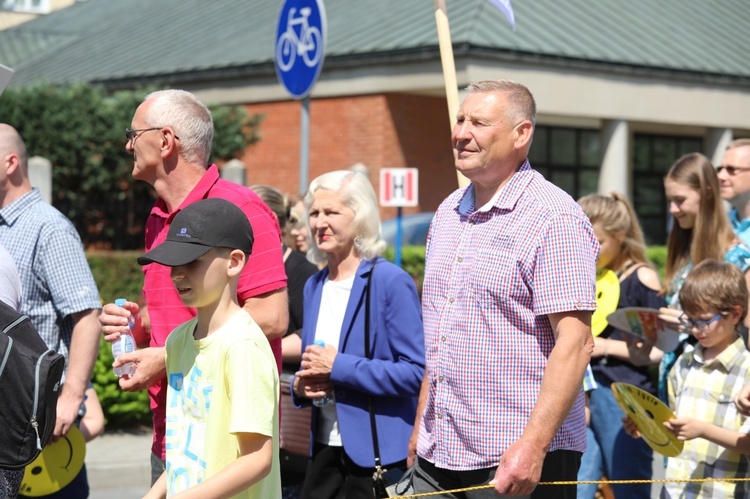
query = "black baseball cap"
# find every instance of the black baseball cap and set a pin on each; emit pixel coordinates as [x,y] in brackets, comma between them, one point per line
[205,224]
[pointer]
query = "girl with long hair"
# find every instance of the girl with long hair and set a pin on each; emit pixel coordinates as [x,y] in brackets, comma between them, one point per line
[701,230]
[617,356]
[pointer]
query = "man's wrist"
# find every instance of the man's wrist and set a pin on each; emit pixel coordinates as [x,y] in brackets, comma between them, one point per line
[73,389]
[535,440]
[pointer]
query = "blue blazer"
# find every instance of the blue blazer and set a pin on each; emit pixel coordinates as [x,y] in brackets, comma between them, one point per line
[393,376]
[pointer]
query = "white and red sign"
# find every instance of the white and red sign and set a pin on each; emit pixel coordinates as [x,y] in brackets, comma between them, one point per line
[399,187]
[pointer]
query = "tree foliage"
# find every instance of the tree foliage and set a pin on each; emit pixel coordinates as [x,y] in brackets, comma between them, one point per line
[80,129]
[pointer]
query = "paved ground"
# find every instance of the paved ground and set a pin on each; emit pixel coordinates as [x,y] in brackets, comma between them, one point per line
[118,465]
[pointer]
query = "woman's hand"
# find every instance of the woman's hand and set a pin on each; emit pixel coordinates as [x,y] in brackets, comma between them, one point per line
[318,360]
[314,379]
[600,347]
[311,386]
[639,350]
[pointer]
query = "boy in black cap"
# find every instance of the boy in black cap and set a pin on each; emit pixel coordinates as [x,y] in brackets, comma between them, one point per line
[222,400]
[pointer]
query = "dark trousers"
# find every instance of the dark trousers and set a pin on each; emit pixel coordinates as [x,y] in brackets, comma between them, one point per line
[560,465]
[158,466]
[331,474]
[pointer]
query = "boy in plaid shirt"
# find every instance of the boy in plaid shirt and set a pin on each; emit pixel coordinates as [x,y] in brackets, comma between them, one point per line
[714,298]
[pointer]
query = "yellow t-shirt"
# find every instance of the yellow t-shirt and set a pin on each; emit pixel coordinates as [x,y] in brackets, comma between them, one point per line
[219,386]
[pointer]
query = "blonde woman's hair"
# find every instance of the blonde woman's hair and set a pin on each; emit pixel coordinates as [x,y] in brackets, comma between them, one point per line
[616,215]
[355,191]
[714,285]
[711,236]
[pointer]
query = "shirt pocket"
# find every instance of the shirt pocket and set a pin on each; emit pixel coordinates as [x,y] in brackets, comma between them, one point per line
[496,275]
[725,408]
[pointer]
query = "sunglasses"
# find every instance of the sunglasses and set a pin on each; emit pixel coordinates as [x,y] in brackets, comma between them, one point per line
[731,170]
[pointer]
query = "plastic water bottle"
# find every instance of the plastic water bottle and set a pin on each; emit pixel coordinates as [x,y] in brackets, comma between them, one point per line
[125,344]
[329,399]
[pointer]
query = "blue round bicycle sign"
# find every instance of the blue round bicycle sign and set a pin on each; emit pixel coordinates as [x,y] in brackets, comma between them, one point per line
[300,45]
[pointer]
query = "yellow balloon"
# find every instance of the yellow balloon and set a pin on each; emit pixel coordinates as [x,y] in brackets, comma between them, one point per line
[56,466]
[648,413]
[607,299]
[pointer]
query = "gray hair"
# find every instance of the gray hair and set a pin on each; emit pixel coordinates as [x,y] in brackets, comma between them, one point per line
[520,99]
[355,191]
[188,117]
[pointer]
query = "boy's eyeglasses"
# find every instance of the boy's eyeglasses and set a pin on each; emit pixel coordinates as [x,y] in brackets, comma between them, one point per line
[731,170]
[701,325]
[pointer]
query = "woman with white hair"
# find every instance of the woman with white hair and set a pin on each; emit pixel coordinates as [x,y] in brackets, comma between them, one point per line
[363,382]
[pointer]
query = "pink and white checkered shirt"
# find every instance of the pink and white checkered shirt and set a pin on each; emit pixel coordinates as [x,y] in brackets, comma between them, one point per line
[491,279]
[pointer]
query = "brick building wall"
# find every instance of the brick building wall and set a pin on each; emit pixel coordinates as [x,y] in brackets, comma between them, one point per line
[380,131]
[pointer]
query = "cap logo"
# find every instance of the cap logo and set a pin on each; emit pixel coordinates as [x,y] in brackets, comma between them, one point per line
[183,233]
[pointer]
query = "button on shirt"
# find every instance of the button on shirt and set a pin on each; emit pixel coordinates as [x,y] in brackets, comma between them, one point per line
[491,278]
[55,276]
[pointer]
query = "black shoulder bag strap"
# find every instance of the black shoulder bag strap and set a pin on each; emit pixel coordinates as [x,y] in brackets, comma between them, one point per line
[377,477]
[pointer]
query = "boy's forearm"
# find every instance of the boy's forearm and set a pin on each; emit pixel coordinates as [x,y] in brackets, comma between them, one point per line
[252,466]
[159,489]
[730,439]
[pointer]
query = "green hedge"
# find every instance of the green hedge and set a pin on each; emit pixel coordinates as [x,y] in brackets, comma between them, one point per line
[412,261]
[658,256]
[118,275]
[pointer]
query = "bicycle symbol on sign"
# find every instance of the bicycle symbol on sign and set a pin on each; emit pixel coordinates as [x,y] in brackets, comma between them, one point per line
[308,44]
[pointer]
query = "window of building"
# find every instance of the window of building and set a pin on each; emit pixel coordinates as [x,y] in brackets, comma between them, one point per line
[31,6]
[567,157]
[652,157]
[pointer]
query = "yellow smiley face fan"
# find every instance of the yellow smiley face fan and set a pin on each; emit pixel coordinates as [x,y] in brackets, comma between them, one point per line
[56,466]
[648,413]
[607,299]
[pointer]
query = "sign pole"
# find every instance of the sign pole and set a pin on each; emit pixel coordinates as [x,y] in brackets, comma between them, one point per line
[449,71]
[399,230]
[304,144]
[399,187]
[299,49]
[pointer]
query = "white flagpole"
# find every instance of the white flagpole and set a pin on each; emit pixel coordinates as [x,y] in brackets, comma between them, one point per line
[449,70]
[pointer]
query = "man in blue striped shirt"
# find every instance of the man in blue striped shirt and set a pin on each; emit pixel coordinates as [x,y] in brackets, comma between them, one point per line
[59,292]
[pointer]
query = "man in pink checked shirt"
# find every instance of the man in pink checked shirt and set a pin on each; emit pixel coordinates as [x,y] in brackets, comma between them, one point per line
[507,300]
[170,140]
